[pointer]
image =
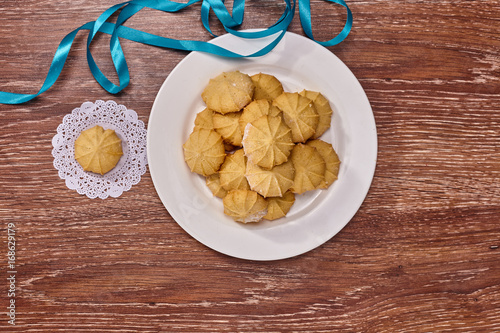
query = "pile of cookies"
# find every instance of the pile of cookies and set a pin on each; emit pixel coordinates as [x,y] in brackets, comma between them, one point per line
[258,145]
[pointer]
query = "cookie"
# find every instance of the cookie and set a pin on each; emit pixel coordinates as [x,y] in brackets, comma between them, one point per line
[278,207]
[228,92]
[323,109]
[228,127]
[257,109]
[244,206]
[299,114]
[213,183]
[267,141]
[204,151]
[232,172]
[266,86]
[98,150]
[332,162]
[270,182]
[204,119]
[309,168]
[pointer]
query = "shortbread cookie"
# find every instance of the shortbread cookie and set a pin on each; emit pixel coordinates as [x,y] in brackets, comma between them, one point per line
[266,86]
[278,207]
[228,126]
[270,182]
[204,119]
[232,172]
[257,109]
[204,151]
[228,92]
[267,141]
[245,206]
[309,168]
[98,150]
[213,183]
[299,114]
[331,159]
[323,109]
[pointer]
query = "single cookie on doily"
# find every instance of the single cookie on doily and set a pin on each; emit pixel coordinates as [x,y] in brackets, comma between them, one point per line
[130,166]
[267,141]
[204,119]
[299,114]
[278,207]
[244,206]
[270,182]
[309,168]
[331,158]
[323,109]
[232,172]
[228,126]
[213,183]
[228,92]
[204,151]
[257,109]
[98,150]
[266,86]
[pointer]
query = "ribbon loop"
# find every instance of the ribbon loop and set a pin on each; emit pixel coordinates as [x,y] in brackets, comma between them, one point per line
[229,21]
[306,18]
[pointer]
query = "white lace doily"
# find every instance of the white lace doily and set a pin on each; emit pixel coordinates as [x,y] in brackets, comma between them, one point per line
[132,164]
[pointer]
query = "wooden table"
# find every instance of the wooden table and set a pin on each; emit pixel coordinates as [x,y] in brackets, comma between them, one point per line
[421,255]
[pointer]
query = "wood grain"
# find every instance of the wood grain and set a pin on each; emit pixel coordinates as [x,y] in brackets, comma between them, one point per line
[421,255]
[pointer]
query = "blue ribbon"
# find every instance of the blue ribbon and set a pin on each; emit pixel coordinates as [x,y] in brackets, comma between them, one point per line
[117,30]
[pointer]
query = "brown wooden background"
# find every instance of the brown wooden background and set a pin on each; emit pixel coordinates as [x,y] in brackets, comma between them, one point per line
[421,255]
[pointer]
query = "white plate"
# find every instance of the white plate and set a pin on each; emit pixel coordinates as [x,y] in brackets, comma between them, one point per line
[317,216]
